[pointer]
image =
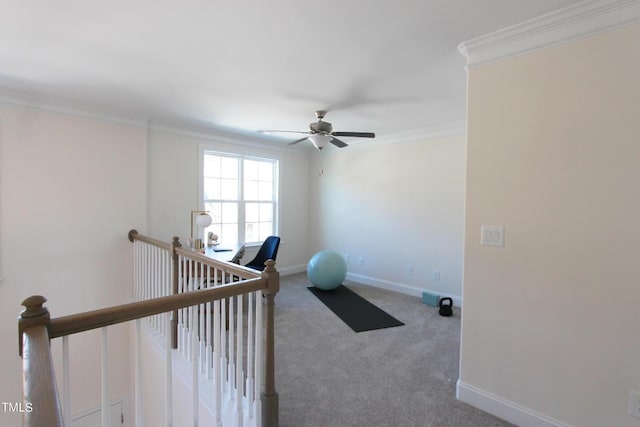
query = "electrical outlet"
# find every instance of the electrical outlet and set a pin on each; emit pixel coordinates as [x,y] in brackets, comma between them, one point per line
[410,270]
[361,260]
[634,403]
[435,275]
[346,259]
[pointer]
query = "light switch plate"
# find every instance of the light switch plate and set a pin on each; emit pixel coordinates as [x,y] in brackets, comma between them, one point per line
[492,235]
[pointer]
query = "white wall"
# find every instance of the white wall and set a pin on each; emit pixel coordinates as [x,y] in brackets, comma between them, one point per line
[394,205]
[173,188]
[550,322]
[71,188]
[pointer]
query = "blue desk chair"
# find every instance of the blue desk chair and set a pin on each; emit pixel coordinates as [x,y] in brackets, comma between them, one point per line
[268,250]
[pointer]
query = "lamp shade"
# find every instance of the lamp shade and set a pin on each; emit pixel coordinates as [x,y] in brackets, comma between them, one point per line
[203,220]
[319,141]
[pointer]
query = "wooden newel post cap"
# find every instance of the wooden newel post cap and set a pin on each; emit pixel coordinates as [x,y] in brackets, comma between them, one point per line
[270,265]
[34,307]
[34,314]
[273,277]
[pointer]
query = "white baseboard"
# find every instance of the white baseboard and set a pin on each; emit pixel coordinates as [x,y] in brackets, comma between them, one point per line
[399,287]
[294,269]
[504,408]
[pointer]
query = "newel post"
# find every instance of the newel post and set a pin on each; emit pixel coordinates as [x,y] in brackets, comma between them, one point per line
[34,314]
[270,404]
[39,388]
[175,243]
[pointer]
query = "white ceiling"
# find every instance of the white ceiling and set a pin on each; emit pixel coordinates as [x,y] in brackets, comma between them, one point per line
[376,65]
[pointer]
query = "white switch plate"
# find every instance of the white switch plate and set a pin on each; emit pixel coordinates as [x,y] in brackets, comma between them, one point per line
[492,235]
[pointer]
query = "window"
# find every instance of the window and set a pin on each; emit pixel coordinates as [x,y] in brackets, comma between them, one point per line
[241,195]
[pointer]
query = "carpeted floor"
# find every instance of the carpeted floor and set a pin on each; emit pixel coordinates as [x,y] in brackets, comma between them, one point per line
[327,375]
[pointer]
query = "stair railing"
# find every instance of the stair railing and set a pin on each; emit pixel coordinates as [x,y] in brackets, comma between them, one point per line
[199,306]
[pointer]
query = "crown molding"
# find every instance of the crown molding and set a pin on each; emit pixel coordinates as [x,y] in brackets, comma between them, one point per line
[203,130]
[561,26]
[81,109]
[212,133]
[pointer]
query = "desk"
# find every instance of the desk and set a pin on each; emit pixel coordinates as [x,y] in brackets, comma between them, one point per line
[222,255]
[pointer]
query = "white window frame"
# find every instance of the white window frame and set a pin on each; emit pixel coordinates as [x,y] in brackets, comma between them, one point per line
[241,238]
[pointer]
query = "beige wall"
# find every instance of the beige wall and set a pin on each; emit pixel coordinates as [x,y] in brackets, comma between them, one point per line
[71,188]
[395,205]
[550,321]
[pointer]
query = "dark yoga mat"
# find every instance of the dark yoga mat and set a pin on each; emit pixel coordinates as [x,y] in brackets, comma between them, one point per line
[354,310]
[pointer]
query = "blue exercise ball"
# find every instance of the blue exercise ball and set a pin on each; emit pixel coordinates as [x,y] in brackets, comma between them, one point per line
[327,270]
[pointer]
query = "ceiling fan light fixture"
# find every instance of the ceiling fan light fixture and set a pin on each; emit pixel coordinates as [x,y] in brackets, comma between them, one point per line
[320,141]
[321,133]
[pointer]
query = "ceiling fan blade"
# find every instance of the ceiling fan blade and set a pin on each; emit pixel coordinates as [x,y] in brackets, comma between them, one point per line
[338,143]
[355,134]
[282,131]
[298,140]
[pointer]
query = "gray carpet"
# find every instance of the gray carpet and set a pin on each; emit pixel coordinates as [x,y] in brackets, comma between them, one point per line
[329,376]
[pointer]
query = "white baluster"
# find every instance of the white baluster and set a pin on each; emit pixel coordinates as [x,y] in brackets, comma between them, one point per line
[187,284]
[259,358]
[145,272]
[250,355]
[66,382]
[154,283]
[208,330]
[223,345]
[217,364]
[140,270]
[239,362]
[160,288]
[194,365]
[138,375]
[105,407]
[232,351]
[181,284]
[135,269]
[168,404]
[166,279]
[201,333]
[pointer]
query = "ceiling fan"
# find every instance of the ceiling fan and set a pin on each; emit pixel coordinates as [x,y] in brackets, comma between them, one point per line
[321,133]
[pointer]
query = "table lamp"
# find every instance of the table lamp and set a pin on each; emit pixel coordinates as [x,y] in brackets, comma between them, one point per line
[202,220]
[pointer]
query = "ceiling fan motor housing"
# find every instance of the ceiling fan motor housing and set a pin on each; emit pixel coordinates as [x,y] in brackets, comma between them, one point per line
[321,127]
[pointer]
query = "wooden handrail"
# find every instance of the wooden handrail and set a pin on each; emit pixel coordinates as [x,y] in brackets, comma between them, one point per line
[134,235]
[88,320]
[176,249]
[229,267]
